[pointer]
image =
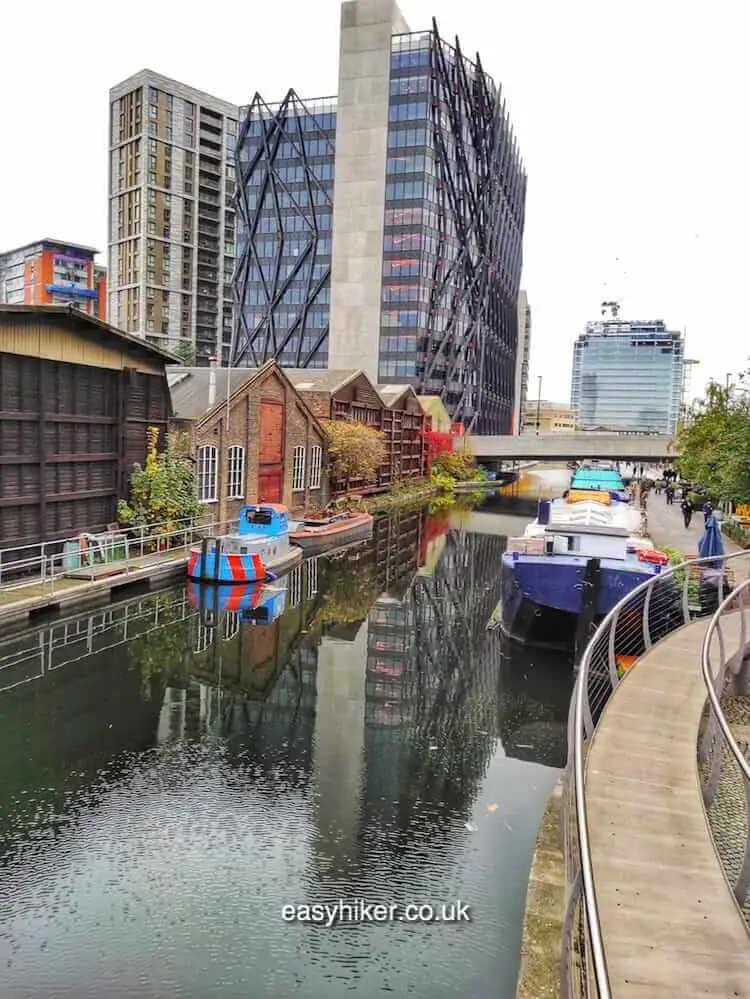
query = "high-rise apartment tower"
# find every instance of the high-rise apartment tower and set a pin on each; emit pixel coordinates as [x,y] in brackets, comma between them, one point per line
[171,214]
[382,229]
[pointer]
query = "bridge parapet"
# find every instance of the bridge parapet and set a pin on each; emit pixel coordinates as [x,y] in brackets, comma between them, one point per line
[570,447]
[631,803]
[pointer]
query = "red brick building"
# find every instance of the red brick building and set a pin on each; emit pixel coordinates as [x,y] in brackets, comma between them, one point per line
[396,413]
[253,436]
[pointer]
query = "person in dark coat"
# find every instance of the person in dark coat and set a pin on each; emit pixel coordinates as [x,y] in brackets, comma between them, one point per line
[687,511]
[669,493]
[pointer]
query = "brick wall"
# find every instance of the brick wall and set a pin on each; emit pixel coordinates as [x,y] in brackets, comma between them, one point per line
[243,429]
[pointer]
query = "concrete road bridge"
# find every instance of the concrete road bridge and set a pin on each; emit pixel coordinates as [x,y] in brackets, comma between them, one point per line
[569,447]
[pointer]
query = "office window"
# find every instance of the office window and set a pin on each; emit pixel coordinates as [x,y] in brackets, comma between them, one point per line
[236,477]
[207,468]
[298,469]
[316,461]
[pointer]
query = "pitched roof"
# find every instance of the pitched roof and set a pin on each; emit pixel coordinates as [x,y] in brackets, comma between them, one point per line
[391,394]
[88,326]
[321,379]
[190,388]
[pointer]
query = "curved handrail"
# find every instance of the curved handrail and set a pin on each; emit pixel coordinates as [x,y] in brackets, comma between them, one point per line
[580,715]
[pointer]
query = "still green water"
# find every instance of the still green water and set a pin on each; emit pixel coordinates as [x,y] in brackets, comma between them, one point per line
[172,775]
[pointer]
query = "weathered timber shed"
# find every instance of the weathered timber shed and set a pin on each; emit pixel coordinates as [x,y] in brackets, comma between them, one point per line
[76,398]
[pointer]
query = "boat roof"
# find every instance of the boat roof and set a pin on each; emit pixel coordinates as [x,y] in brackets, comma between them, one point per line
[610,530]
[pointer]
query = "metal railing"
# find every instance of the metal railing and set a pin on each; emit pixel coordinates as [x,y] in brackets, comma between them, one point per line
[25,558]
[656,608]
[40,574]
[723,761]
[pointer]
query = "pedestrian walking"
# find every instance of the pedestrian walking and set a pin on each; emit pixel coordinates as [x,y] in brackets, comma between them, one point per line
[687,511]
[669,492]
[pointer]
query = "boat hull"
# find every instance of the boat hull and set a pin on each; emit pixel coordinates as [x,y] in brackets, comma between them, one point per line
[542,597]
[235,568]
[345,532]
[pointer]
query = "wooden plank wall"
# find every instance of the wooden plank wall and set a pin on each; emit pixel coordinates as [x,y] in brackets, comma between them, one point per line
[69,435]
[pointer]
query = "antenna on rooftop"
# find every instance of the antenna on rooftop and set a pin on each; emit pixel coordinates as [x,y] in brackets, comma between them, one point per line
[611,307]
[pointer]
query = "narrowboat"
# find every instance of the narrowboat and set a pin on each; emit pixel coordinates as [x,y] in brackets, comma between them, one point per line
[256,603]
[318,534]
[578,558]
[600,479]
[259,550]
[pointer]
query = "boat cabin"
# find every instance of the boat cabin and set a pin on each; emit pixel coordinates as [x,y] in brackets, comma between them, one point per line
[269,520]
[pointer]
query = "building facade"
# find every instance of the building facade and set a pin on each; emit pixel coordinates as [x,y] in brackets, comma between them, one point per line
[523,353]
[548,418]
[628,376]
[76,399]
[253,437]
[171,215]
[392,410]
[51,272]
[382,229]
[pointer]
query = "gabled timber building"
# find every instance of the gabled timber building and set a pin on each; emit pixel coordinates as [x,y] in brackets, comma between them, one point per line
[382,229]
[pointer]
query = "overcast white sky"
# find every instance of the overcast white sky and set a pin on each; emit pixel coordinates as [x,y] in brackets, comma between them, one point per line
[631,116]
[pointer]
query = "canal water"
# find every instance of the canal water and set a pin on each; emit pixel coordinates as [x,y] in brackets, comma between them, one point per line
[173,775]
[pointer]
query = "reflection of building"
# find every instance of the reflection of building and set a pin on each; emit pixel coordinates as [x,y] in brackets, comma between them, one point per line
[253,437]
[50,272]
[171,216]
[523,351]
[628,376]
[553,417]
[382,230]
[78,397]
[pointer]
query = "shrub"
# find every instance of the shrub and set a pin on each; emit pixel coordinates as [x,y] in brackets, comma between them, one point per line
[457,464]
[356,451]
[163,491]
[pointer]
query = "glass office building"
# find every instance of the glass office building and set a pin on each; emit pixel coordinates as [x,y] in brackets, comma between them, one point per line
[286,162]
[628,376]
[384,231]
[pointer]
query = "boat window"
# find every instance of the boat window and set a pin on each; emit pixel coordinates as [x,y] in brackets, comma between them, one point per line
[261,517]
[573,544]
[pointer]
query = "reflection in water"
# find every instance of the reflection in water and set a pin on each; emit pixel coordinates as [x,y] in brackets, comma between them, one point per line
[176,769]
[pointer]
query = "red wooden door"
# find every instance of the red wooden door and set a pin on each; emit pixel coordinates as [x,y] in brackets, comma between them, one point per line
[271,452]
[270,486]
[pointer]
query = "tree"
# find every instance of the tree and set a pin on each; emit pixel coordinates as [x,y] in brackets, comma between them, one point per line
[356,450]
[185,350]
[714,444]
[163,491]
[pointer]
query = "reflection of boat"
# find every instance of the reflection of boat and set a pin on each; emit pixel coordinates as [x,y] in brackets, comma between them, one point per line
[576,558]
[259,550]
[318,534]
[256,603]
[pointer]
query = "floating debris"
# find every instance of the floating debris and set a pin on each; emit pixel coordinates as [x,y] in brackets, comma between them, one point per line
[471,826]
[493,807]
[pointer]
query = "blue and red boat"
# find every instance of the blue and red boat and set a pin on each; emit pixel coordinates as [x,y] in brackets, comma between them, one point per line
[256,603]
[259,550]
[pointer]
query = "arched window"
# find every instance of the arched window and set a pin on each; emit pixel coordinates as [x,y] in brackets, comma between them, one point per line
[236,472]
[316,460]
[207,465]
[298,468]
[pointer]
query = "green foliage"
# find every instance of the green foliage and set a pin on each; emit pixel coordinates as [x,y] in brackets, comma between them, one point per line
[734,530]
[444,482]
[356,451]
[163,491]
[459,465]
[715,445]
[185,350]
[677,558]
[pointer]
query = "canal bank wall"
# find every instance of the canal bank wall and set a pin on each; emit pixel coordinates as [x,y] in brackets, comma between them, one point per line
[541,942]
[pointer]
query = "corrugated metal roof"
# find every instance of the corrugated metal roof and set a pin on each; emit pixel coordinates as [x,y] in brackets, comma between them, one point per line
[320,379]
[189,388]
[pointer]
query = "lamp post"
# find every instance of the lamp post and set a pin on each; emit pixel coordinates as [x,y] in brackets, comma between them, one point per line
[539,403]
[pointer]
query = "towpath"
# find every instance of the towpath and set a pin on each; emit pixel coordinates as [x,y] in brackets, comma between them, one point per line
[666,527]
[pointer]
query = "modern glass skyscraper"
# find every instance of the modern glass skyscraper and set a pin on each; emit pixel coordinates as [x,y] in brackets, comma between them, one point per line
[628,376]
[383,230]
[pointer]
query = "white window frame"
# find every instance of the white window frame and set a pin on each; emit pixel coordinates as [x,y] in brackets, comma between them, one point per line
[236,472]
[316,465]
[298,469]
[208,460]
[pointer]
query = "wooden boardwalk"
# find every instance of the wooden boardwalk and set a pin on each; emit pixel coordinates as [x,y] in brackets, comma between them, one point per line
[670,924]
